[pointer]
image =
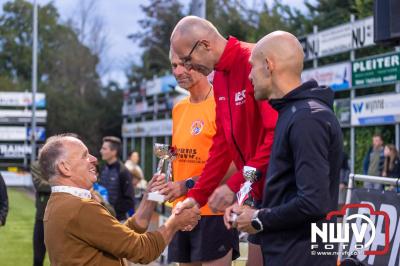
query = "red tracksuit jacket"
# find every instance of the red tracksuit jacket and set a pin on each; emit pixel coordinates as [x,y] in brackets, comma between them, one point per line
[245,127]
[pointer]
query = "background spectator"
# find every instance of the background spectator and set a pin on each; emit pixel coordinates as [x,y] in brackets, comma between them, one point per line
[391,167]
[3,202]
[43,191]
[373,161]
[116,178]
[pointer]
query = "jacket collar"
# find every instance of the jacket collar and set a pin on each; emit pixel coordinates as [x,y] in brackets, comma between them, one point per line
[75,191]
[279,104]
[228,57]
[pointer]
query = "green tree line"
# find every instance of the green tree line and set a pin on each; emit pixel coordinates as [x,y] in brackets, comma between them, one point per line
[67,73]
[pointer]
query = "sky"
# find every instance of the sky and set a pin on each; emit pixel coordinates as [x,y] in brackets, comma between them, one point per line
[120,19]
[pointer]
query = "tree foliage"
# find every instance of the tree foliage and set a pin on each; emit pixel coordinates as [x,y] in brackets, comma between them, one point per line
[67,72]
[161,17]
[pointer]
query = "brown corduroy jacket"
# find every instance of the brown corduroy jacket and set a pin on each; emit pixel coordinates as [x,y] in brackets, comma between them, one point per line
[82,232]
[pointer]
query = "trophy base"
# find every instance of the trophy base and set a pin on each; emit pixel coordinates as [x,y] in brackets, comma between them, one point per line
[156,196]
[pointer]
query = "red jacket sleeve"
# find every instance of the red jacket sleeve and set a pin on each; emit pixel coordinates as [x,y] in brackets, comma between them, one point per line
[216,166]
[260,160]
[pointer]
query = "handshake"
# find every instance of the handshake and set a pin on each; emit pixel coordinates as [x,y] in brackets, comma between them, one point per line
[184,218]
[186,214]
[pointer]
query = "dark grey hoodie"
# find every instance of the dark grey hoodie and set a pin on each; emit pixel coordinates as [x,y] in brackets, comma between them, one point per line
[303,176]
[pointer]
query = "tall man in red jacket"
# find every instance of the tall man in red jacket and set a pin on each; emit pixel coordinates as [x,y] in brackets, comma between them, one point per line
[245,127]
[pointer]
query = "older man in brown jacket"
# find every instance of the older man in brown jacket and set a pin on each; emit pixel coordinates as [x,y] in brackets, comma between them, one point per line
[80,231]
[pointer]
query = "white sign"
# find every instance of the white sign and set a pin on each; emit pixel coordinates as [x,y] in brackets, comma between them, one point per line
[310,46]
[363,33]
[17,179]
[143,107]
[337,76]
[20,133]
[22,116]
[153,86]
[339,39]
[21,99]
[14,150]
[22,113]
[160,85]
[148,128]
[375,110]
[335,40]
[12,133]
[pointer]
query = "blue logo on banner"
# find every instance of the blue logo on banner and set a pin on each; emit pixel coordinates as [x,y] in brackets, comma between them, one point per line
[340,86]
[358,107]
[41,103]
[387,119]
[40,133]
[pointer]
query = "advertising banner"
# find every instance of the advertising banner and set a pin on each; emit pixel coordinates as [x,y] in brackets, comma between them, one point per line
[375,110]
[21,99]
[337,76]
[383,233]
[376,70]
[14,151]
[342,111]
[22,116]
[148,128]
[13,133]
[339,39]
[160,85]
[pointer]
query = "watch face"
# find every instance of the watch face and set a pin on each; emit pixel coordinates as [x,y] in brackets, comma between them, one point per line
[256,225]
[189,183]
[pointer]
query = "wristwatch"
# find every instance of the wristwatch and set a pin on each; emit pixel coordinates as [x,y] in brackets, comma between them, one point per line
[189,183]
[256,222]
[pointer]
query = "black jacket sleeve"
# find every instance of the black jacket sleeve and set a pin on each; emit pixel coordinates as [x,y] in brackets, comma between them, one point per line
[344,170]
[309,140]
[127,196]
[366,162]
[3,201]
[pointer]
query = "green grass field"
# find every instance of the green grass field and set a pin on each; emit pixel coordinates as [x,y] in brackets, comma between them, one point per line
[16,237]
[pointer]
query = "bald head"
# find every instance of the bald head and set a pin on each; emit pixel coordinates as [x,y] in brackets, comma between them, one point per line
[66,161]
[193,28]
[53,151]
[197,43]
[283,49]
[277,63]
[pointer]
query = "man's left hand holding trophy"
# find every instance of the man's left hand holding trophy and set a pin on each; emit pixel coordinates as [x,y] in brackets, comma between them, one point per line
[163,188]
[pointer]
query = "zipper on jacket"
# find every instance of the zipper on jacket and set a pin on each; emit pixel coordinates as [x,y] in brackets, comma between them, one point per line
[233,137]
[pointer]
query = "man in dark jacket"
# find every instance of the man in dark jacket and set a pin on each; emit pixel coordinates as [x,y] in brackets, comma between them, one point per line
[373,161]
[116,178]
[3,202]
[303,176]
[43,191]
